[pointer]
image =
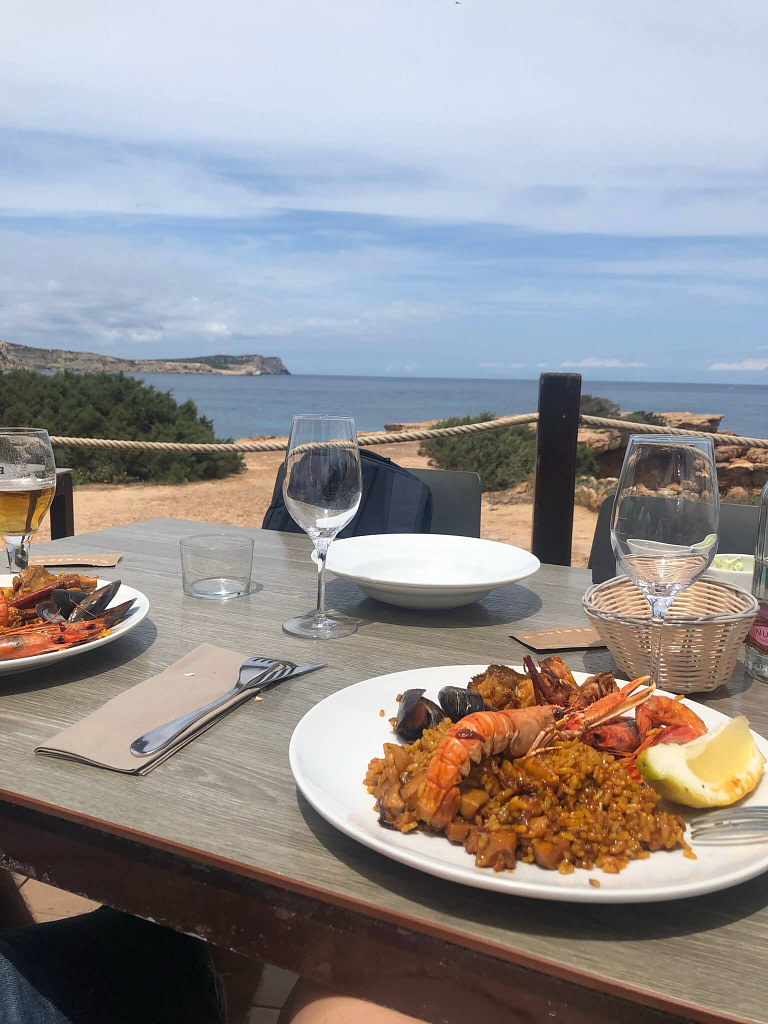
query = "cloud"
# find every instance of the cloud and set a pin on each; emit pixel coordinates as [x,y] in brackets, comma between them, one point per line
[337,183]
[592,361]
[440,112]
[745,364]
[180,297]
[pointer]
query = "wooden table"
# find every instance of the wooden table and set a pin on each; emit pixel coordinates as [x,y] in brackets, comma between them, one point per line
[217,841]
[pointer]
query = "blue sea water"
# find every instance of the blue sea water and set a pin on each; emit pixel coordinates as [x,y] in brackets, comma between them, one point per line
[258,406]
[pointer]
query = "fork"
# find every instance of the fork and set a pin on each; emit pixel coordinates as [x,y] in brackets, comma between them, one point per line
[740,821]
[253,672]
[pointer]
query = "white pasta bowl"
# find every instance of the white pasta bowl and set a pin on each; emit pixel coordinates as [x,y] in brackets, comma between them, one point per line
[427,570]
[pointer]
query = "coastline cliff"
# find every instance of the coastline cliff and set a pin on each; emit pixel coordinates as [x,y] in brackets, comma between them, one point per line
[24,357]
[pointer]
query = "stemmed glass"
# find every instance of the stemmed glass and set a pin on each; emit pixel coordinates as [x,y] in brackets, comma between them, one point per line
[27,487]
[322,490]
[665,520]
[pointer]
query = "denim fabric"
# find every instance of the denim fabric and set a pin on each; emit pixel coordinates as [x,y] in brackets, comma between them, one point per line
[21,1003]
[105,968]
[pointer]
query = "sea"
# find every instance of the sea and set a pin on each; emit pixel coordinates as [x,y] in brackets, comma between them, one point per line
[263,406]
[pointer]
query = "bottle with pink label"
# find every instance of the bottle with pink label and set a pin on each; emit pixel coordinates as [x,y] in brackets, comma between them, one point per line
[756,647]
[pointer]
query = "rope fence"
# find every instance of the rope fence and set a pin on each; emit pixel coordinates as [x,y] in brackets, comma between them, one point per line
[398,437]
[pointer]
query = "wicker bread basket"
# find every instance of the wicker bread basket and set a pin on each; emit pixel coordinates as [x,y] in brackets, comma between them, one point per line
[703,631]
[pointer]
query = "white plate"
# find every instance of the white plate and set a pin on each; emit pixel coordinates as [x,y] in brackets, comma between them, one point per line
[333,743]
[428,570]
[131,621]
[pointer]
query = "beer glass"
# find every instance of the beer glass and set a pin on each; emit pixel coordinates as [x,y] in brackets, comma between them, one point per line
[322,490]
[27,486]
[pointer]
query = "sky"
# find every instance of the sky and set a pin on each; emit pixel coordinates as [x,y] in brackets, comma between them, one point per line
[413,187]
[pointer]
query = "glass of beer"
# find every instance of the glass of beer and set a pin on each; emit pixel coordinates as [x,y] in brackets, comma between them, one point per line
[27,486]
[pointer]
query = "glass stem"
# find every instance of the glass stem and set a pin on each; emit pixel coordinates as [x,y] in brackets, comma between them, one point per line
[659,608]
[18,555]
[321,547]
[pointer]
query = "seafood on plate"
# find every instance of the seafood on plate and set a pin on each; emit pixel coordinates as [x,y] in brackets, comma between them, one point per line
[41,612]
[547,778]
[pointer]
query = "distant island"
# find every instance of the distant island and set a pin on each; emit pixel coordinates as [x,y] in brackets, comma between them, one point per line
[24,357]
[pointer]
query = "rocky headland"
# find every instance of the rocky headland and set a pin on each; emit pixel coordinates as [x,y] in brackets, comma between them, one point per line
[24,357]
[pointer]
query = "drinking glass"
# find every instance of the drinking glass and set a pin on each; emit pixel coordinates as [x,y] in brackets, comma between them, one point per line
[665,520]
[216,566]
[322,490]
[27,487]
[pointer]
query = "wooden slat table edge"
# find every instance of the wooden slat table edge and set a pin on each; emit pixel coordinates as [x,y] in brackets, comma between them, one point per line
[517,957]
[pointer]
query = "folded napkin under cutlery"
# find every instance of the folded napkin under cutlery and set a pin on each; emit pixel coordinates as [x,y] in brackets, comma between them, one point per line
[104,738]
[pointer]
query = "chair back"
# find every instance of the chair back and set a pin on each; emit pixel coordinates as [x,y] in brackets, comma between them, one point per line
[738,535]
[456,500]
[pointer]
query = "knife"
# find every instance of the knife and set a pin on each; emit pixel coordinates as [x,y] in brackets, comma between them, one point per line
[258,681]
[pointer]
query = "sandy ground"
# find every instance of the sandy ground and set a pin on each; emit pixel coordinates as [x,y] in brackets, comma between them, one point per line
[242,500]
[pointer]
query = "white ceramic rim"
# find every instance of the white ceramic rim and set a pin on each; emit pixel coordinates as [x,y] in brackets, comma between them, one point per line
[531,564]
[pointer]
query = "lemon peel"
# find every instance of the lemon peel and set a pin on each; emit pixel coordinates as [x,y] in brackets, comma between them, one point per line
[714,770]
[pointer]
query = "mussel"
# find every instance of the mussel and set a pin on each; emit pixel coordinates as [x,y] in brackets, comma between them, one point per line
[415,713]
[95,603]
[457,702]
[60,604]
[49,611]
[74,605]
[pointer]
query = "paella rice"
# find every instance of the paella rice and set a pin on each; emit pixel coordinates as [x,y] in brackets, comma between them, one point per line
[569,806]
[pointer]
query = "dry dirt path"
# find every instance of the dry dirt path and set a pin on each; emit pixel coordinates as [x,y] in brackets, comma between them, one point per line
[242,500]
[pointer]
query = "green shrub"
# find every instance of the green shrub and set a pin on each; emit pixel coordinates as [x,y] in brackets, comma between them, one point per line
[594,405]
[115,406]
[586,464]
[501,457]
[641,416]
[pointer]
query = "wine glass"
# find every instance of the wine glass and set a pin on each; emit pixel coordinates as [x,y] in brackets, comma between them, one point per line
[665,519]
[27,487]
[322,490]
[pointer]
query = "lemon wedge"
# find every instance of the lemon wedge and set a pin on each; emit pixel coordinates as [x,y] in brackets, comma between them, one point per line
[715,770]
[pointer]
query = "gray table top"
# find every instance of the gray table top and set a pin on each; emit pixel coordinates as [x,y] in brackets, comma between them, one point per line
[232,795]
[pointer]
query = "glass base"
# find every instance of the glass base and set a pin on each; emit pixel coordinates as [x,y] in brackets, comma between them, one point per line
[314,626]
[217,588]
[17,550]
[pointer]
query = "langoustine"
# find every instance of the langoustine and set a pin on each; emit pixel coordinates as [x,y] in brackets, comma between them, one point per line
[515,731]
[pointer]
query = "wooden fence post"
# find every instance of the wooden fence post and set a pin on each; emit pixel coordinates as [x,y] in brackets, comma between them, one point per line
[556,437]
[62,507]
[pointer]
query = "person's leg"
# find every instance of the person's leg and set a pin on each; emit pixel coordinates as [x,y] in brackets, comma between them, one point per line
[309,1003]
[106,966]
[14,912]
[240,978]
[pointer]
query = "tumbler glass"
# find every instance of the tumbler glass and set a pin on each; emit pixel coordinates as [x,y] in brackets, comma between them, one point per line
[216,565]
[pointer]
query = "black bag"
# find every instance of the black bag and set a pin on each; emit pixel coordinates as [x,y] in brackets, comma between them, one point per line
[394,501]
